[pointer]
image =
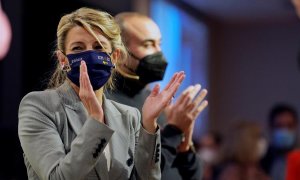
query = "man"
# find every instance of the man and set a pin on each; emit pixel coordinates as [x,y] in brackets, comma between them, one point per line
[147,64]
[283,122]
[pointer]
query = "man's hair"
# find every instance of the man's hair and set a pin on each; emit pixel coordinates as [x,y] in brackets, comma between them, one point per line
[280,109]
[121,20]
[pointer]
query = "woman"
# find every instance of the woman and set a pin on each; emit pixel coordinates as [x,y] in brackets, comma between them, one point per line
[72,131]
[243,148]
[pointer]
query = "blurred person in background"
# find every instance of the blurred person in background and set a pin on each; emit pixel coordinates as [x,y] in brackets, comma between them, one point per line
[209,149]
[243,147]
[145,65]
[283,120]
[293,159]
[293,165]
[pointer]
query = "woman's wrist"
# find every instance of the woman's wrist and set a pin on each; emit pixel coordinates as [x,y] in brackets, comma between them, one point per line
[150,126]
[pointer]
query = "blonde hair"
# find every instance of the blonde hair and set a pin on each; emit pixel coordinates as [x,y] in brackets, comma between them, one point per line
[241,143]
[89,19]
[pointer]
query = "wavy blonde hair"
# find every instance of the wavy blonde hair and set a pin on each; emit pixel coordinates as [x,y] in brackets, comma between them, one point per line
[89,19]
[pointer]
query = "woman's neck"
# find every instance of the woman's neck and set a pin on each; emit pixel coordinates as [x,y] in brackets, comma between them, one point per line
[99,95]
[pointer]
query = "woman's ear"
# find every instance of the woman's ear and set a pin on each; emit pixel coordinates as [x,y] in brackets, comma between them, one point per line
[61,58]
[116,55]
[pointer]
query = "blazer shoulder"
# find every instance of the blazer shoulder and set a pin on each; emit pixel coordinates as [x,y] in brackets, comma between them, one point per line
[123,108]
[41,99]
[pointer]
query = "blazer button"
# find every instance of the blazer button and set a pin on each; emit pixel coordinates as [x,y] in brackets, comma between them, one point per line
[129,162]
[103,141]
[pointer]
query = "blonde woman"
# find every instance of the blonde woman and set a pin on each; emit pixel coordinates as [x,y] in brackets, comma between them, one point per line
[71,131]
[244,146]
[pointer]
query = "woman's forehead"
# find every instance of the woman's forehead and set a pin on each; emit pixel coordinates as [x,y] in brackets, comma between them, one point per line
[79,34]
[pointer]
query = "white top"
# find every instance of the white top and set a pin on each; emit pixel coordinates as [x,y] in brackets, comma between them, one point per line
[107,155]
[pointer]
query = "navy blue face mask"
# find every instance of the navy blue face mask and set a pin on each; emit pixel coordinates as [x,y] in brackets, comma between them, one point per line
[99,67]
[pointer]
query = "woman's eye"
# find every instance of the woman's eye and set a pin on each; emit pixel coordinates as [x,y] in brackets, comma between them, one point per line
[77,48]
[98,47]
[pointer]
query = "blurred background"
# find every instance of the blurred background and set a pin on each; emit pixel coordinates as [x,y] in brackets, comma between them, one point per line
[245,52]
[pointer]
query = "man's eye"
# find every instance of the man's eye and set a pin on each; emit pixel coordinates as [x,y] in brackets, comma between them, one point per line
[148,45]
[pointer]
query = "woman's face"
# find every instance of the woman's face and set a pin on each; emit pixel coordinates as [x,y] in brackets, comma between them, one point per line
[78,39]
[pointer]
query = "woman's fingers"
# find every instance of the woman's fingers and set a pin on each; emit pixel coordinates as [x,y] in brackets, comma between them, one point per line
[80,76]
[84,78]
[84,75]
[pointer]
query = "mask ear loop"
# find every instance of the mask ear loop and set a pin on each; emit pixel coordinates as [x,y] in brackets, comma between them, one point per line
[110,56]
[127,75]
[123,73]
[63,67]
[135,58]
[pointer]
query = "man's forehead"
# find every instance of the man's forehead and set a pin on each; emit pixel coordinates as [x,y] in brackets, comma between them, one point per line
[142,28]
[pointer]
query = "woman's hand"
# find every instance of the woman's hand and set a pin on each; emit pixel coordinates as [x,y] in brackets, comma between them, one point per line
[87,95]
[185,111]
[157,101]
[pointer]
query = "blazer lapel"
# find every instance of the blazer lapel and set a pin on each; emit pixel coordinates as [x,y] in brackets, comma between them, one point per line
[76,113]
[74,119]
[117,144]
[119,140]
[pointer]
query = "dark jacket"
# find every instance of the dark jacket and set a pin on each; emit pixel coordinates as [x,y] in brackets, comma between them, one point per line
[174,165]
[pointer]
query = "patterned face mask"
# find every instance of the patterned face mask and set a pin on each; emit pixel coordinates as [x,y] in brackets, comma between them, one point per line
[99,66]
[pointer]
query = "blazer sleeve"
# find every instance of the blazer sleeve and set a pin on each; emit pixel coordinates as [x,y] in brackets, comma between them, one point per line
[44,148]
[148,153]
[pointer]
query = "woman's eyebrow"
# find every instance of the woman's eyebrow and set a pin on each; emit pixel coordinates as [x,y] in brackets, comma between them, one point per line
[103,44]
[76,42]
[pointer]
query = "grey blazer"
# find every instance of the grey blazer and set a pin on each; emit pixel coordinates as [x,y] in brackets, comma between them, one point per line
[60,140]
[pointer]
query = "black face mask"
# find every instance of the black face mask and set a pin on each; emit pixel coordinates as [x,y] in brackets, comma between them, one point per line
[151,68]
